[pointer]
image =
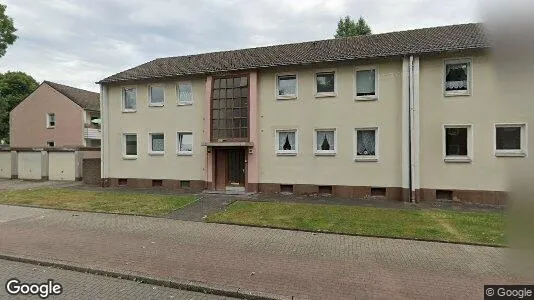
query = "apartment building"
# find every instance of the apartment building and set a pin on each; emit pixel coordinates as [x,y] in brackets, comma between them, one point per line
[408,115]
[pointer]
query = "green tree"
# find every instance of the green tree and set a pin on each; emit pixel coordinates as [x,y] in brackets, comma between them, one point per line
[14,87]
[346,27]
[7,31]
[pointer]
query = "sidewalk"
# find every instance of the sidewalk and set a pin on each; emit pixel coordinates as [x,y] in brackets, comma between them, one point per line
[286,263]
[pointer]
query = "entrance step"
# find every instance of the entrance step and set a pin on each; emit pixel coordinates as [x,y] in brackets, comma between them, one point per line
[227,192]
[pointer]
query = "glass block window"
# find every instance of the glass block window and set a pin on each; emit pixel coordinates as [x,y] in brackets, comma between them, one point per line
[457,77]
[157,142]
[229,109]
[129,98]
[366,142]
[325,142]
[325,82]
[287,86]
[456,143]
[130,144]
[185,143]
[157,95]
[366,83]
[185,93]
[286,141]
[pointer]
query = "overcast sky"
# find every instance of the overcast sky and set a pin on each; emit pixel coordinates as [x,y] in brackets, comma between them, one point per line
[78,42]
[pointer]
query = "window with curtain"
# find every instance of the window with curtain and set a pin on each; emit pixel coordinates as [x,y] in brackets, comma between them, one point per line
[366,142]
[456,141]
[325,141]
[157,142]
[287,86]
[129,98]
[457,76]
[185,93]
[130,144]
[185,143]
[325,82]
[366,83]
[157,95]
[287,143]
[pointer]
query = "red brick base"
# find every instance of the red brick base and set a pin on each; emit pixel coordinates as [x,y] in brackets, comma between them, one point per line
[171,184]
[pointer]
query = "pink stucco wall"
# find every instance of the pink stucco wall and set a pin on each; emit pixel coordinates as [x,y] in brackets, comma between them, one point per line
[28,120]
[253,158]
[207,130]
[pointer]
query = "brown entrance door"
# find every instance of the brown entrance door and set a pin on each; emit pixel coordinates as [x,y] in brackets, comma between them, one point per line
[221,169]
[236,167]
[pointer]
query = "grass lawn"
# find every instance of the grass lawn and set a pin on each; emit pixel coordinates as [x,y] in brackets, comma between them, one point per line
[97,201]
[441,225]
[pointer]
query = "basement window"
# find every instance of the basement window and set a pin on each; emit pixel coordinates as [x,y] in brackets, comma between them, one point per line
[286,188]
[378,192]
[123,182]
[50,144]
[325,189]
[185,184]
[444,195]
[157,183]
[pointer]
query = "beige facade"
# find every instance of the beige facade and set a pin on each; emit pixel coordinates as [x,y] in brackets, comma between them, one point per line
[168,119]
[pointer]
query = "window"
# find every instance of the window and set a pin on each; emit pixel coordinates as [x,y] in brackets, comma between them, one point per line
[229,109]
[286,142]
[457,77]
[157,143]
[286,86]
[156,95]
[129,99]
[130,145]
[51,120]
[185,143]
[50,144]
[510,140]
[325,84]
[185,93]
[325,142]
[366,144]
[457,143]
[366,84]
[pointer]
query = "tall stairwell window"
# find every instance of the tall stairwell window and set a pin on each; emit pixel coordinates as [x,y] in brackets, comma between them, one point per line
[229,109]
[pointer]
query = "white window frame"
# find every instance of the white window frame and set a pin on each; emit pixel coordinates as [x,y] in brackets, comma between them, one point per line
[324,152]
[377,138]
[48,115]
[123,97]
[515,152]
[469,77]
[152,152]
[458,158]
[124,155]
[287,97]
[325,94]
[185,153]
[184,103]
[150,95]
[369,97]
[286,152]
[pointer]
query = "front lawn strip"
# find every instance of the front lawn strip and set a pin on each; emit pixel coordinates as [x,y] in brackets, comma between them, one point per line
[485,228]
[98,201]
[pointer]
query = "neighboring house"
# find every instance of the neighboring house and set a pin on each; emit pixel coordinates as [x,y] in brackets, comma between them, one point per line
[56,115]
[381,114]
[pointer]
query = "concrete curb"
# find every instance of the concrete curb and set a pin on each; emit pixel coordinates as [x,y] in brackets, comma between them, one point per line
[199,287]
[362,235]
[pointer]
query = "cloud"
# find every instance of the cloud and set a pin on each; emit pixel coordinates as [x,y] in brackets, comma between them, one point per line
[80,42]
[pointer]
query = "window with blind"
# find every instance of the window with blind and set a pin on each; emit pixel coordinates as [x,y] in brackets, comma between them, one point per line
[229,109]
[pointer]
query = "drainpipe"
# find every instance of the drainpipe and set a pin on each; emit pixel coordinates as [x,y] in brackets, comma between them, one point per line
[410,128]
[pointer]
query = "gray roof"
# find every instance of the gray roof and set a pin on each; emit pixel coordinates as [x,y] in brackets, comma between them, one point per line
[417,41]
[85,99]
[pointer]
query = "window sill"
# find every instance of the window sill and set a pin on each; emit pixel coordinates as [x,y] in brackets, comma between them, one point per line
[292,97]
[366,98]
[129,110]
[156,105]
[185,103]
[156,153]
[50,127]
[325,153]
[184,154]
[129,157]
[325,95]
[510,153]
[457,159]
[366,158]
[458,93]
[286,153]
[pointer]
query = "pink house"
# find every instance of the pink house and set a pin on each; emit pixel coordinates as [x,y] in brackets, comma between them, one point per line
[56,115]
